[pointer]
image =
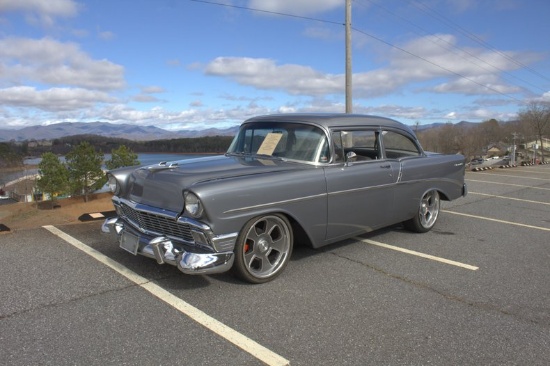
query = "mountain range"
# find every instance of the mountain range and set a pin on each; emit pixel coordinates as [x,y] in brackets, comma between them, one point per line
[123,131]
[127,131]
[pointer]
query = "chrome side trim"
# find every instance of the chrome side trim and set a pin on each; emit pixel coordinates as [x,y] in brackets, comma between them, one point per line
[361,189]
[400,175]
[269,204]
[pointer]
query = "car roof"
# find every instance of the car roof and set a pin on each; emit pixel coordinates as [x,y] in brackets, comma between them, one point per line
[333,120]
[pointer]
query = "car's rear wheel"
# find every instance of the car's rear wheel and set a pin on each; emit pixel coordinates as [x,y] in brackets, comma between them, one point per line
[263,248]
[427,214]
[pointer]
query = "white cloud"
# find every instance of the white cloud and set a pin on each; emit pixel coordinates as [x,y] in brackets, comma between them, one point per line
[145,98]
[478,114]
[52,100]
[477,85]
[152,89]
[41,11]
[451,115]
[106,35]
[264,73]
[462,6]
[296,7]
[47,61]
[62,8]
[435,59]
[467,69]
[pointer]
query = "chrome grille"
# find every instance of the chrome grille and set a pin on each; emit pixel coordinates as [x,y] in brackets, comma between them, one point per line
[156,224]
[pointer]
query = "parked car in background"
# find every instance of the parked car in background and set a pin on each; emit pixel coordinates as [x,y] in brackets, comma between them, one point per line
[286,179]
[3,195]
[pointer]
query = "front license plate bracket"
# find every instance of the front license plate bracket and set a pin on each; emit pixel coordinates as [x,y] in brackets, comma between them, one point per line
[129,242]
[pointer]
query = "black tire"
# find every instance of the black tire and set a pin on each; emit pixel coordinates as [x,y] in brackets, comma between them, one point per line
[263,248]
[427,214]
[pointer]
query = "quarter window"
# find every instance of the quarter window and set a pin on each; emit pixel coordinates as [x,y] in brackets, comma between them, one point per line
[398,146]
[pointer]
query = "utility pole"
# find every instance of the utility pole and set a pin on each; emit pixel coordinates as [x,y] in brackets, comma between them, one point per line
[515,135]
[349,104]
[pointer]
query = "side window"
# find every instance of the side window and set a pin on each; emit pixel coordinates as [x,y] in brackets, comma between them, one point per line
[338,147]
[364,143]
[398,146]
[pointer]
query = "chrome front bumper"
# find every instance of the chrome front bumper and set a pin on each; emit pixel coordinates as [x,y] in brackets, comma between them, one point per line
[164,250]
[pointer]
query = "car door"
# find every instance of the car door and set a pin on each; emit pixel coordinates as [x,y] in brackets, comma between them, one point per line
[416,175]
[360,184]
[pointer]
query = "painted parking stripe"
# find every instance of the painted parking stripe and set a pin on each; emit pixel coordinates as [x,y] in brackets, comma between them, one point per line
[508,184]
[509,198]
[513,176]
[253,348]
[497,220]
[418,254]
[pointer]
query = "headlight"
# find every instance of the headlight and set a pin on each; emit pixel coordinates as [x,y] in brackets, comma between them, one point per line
[193,205]
[112,183]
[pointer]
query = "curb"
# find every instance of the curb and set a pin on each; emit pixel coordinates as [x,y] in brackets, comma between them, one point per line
[97,216]
[482,168]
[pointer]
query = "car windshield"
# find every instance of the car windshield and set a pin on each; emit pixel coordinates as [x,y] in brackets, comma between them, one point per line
[289,141]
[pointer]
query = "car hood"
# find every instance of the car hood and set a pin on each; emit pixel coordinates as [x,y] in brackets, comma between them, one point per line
[161,185]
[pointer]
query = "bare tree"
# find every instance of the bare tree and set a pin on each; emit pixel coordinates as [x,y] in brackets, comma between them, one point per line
[537,116]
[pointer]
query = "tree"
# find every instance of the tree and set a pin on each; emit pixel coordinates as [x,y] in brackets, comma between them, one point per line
[489,131]
[85,173]
[447,139]
[122,157]
[537,116]
[9,157]
[53,178]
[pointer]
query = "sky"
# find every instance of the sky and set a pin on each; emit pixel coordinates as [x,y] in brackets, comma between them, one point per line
[192,65]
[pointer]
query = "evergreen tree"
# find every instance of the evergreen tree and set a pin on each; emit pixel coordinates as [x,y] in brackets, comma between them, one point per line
[85,173]
[53,178]
[122,157]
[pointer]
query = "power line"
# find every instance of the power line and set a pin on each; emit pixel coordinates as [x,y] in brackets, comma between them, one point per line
[436,65]
[472,36]
[267,11]
[366,34]
[454,49]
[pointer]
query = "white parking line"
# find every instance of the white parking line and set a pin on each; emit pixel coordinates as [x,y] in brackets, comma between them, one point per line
[512,176]
[508,198]
[255,349]
[497,220]
[507,184]
[418,254]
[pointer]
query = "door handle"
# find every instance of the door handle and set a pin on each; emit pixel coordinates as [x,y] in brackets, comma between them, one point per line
[385,166]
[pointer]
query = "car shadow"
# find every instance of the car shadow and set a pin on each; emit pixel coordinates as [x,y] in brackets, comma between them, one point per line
[304,251]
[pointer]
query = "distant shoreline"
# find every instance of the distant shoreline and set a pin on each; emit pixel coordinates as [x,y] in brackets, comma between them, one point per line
[24,167]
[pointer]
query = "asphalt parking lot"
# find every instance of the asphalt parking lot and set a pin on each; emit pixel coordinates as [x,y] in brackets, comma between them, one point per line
[475,290]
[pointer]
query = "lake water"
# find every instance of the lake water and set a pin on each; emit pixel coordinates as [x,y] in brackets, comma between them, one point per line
[144,159]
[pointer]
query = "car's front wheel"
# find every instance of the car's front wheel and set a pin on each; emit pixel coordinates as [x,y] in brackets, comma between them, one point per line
[263,248]
[427,214]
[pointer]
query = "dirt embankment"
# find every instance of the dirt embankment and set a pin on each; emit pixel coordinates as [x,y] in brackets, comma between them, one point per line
[21,215]
[17,216]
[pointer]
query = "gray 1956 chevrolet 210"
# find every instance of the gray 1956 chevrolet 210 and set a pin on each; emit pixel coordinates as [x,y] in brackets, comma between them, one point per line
[292,178]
